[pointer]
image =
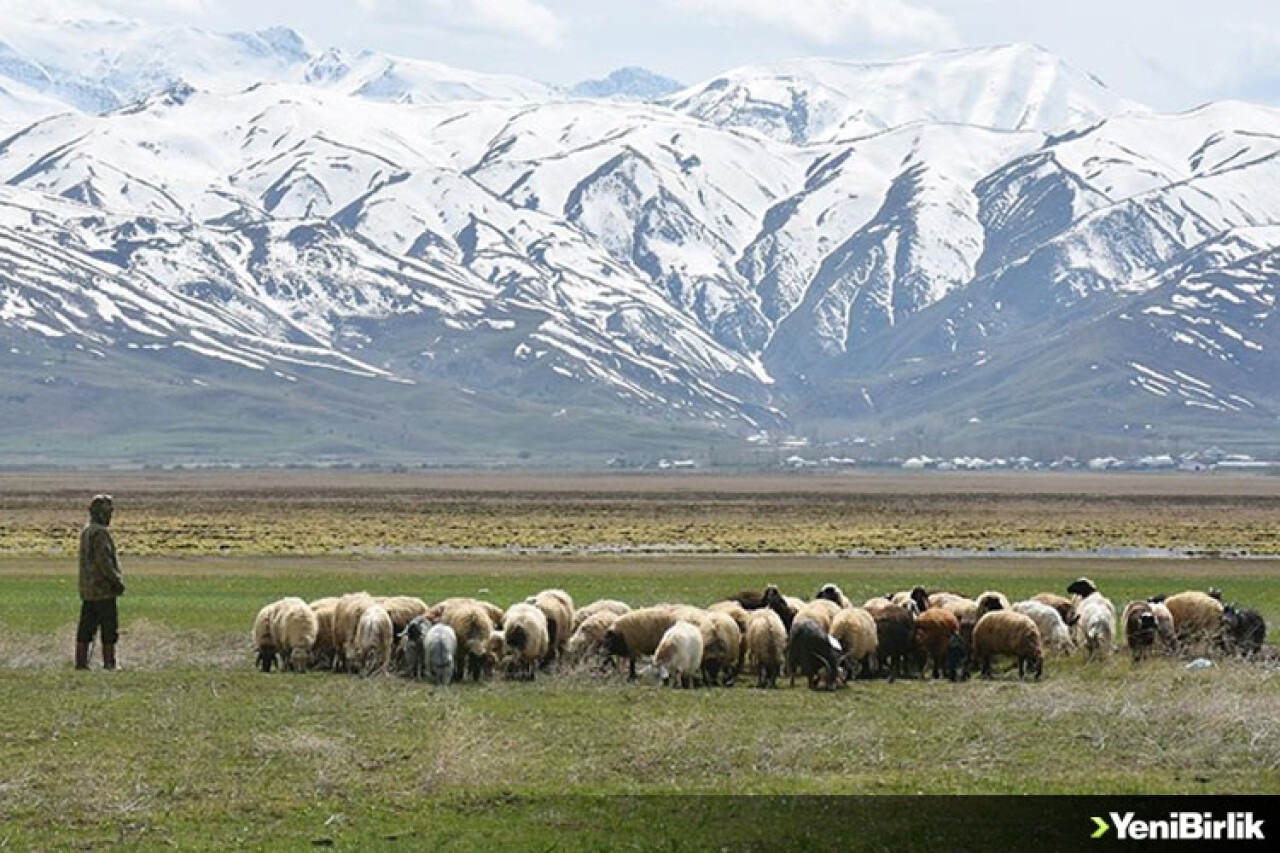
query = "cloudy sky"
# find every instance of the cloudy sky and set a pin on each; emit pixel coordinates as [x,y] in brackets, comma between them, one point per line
[1172,54]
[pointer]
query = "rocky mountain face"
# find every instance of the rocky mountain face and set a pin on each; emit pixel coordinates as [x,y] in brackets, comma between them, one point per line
[980,247]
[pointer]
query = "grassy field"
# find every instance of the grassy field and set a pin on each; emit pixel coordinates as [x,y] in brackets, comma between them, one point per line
[190,747]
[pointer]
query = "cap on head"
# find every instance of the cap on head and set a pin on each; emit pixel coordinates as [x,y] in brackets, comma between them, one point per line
[100,506]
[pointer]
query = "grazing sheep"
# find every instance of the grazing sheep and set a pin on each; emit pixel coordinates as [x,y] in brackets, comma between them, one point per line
[589,639]
[878,604]
[991,600]
[472,628]
[325,650]
[1060,603]
[604,605]
[1164,626]
[293,632]
[1243,631]
[766,646]
[346,618]
[957,605]
[557,606]
[834,594]
[527,637]
[1004,632]
[1139,628]
[812,652]
[262,639]
[956,667]
[402,609]
[915,599]
[1053,630]
[721,646]
[441,650]
[895,631]
[436,614]
[638,633]
[1094,625]
[1197,618]
[679,654]
[934,629]
[780,604]
[372,647]
[855,631]
[686,612]
[740,615]
[820,610]
[415,648]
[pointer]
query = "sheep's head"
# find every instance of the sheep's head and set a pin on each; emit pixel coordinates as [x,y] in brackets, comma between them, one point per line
[615,644]
[1082,587]
[921,598]
[772,596]
[1215,593]
[830,592]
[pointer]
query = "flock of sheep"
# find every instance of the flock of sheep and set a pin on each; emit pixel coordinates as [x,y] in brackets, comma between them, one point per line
[827,640]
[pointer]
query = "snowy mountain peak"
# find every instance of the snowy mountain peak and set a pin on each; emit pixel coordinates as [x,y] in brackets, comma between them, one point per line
[631,82]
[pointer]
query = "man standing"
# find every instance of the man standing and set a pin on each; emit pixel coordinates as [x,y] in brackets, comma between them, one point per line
[100,584]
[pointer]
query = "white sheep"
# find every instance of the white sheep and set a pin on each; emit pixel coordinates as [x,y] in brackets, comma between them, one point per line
[441,649]
[371,651]
[679,654]
[1094,628]
[1053,631]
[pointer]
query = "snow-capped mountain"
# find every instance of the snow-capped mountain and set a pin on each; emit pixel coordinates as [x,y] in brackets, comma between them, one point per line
[629,83]
[975,245]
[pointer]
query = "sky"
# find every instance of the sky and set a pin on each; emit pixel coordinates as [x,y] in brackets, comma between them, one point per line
[1169,54]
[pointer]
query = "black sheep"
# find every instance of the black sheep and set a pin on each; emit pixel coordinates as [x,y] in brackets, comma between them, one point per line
[895,631]
[956,666]
[1243,631]
[811,652]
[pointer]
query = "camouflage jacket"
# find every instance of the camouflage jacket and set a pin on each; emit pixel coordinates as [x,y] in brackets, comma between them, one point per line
[100,576]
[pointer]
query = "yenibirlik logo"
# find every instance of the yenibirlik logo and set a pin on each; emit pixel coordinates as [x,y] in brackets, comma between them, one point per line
[1183,826]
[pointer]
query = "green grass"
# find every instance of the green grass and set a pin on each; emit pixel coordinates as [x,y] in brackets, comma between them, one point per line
[191,747]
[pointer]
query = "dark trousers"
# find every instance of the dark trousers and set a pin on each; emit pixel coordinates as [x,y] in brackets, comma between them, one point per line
[95,615]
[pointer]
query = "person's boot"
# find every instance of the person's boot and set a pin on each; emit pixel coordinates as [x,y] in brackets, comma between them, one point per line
[109,656]
[82,655]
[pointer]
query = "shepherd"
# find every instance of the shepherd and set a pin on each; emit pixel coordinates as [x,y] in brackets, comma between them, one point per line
[101,583]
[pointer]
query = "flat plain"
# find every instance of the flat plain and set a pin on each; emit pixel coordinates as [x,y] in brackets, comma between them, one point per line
[190,747]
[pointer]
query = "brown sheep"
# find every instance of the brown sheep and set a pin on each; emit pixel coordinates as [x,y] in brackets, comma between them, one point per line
[472,626]
[435,614]
[638,633]
[766,646]
[934,629]
[895,632]
[402,609]
[1139,628]
[1004,632]
[1197,618]
[738,614]
[557,606]
[855,631]
[589,639]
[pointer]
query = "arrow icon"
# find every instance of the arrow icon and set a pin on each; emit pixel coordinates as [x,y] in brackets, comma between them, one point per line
[1102,828]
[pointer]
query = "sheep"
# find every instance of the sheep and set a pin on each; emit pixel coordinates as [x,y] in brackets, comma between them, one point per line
[1094,625]
[324,650]
[740,615]
[1004,632]
[878,604]
[855,631]
[894,635]
[990,601]
[819,610]
[472,628]
[957,605]
[638,633]
[527,638]
[293,632]
[679,654]
[1243,631]
[262,637]
[435,614]
[402,609]
[1060,603]
[834,594]
[372,646]
[934,629]
[781,604]
[1197,618]
[721,644]
[346,618]
[956,667]
[1053,630]
[748,600]
[687,612]
[557,606]
[440,651]
[812,652]
[415,647]
[604,605]
[915,599]
[1164,626]
[1139,628]
[589,638]
[766,642]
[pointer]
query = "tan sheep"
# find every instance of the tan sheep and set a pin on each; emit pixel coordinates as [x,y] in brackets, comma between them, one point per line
[721,645]
[934,629]
[766,642]
[603,605]
[638,633]
[1165,629]
[878,604]
[527,639]
[992,600]
[1197,618]
[1004,632]
[957,605]
[820,610]
[855,630]
[402,609]
[293,632]
[374,634]
[833,593]
[262,639]
[346,618]
[435,613]
[472,626]
[739,614]
[557,606]
[589,639]
[324,651]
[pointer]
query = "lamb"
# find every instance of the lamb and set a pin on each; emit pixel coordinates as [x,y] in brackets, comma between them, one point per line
[440,650]
[1004,632]
[557,606]
[604,605]
[934,629]
[679,654]
[638,633]
[855,631]
[834,594]
[820,610]
[766,646]
[293,632]
[990,601]
[472,628]
[1053,630]
[589,639]
[895,630]
[812,652]
[1094,626]
[1139,628]
[1243,631]
[415,647]
[346,618]
[372,646]
[527,637]
[1197,618]
[721,644]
